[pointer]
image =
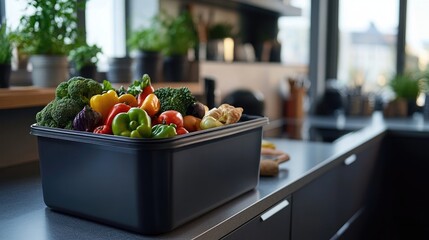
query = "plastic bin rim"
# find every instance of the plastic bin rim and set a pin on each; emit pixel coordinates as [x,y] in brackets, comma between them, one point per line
[166,143]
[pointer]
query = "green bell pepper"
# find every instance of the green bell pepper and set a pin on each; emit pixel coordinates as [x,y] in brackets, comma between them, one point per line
[135,123]
[164,131]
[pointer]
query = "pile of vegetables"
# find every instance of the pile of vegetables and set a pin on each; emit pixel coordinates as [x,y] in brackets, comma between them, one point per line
[70,98]
[140,111]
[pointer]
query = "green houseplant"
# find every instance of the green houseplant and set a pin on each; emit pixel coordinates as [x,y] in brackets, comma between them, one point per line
[20,41]
[84,59]
[181,35]
[148,42]
[52,28]
[406,89]
[5,57]
[405,86]
[220,31]
[216,35]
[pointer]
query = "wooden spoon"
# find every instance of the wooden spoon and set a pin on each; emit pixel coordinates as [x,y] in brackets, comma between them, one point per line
[270,167]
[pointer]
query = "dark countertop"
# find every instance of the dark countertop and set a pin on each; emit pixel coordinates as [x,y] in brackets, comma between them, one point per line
[23,214]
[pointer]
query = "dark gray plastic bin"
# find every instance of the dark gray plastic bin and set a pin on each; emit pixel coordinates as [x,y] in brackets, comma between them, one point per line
[146,185]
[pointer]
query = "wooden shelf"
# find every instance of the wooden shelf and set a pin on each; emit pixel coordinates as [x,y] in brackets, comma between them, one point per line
[22,97]
[273,6]
[29,96]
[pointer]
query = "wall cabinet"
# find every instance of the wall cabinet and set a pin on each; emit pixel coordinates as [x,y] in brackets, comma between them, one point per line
[272,224]
[321,208]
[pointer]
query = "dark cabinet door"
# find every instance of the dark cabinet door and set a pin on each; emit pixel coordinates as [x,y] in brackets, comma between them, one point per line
[272,224]
[322,207]
[315,206]
[402,207]
[355,176]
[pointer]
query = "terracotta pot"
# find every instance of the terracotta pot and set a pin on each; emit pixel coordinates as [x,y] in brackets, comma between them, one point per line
[396,108]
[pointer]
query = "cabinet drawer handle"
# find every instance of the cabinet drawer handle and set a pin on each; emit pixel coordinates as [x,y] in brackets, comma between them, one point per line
[351,159]
[274,210]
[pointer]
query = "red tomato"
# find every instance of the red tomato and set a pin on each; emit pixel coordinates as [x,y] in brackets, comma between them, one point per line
[181,130]
[171,116]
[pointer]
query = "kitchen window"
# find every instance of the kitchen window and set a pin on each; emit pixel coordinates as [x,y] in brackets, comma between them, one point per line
[367,51]
[105,26]
[417,36]
[14,10]
[294,35]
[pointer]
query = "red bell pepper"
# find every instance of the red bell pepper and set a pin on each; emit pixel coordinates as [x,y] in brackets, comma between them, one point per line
[115,110]
[103,129]
[147,89]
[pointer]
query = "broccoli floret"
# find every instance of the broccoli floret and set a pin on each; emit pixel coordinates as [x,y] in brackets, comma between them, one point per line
[64,110]
[44,117]
[62,90]
[78,88]
[178,99]
[82,89]
[71,98]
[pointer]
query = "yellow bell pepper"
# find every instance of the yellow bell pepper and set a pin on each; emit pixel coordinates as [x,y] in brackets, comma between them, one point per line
[102,103]
[128,99]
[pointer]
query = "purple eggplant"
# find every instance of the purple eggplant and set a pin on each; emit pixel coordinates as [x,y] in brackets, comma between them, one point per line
[87,120]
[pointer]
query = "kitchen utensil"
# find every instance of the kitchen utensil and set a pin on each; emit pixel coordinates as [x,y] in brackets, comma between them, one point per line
[270,167]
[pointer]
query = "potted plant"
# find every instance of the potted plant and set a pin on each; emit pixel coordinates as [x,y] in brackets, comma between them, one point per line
[19,42]
[216,35]
[180,37]
[84,59]
[406,89]
[52,28]
[148,42]
[5,57]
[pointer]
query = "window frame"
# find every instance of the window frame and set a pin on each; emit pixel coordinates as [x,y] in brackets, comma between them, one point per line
[401,38]
[331,67]
[2,11]
[323,65]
